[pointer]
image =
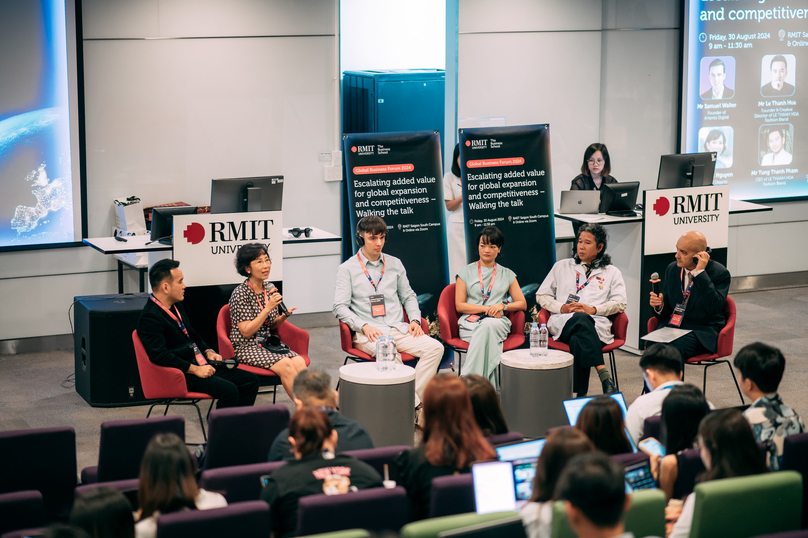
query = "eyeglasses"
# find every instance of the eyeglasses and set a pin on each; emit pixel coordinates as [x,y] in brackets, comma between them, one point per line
[595,161]
[296,232]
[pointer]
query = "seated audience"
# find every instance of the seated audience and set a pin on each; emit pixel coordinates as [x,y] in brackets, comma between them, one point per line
[728,449]
[682,412]
[485,404]
[593,489]
[312,389]
[315,469]
[451,441]
[761,368]
[168,484]
[255,314]
[561,446]
[580,293]
[484,323]
[61,530]
[602,421]
[103,513]
[661,366]
[170,341]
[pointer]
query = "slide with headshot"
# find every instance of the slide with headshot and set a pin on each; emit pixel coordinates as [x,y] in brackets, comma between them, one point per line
[743,94]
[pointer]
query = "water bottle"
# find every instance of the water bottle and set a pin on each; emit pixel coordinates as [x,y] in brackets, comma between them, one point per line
[534,340]
[543,337]
[381,354]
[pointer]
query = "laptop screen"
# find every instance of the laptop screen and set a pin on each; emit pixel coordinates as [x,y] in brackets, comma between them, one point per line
[573,407]
[521,450]
[494,489]
[638,476]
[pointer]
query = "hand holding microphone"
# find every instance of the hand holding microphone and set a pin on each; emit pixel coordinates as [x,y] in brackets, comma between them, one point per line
[656,297]
[281,307]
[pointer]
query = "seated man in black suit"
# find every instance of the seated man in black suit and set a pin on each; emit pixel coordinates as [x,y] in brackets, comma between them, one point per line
[170,341]
[693,296]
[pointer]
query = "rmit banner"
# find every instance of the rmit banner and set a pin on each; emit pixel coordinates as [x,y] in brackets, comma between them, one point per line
[206,244]
[673,212]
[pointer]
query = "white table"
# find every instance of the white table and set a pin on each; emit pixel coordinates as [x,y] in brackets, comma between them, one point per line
[382,402]
[533,389]
[133,244]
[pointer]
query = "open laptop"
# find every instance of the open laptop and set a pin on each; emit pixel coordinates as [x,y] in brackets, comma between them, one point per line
[638,476]
[494,486]
[523,456]
[573,408]
[573,202]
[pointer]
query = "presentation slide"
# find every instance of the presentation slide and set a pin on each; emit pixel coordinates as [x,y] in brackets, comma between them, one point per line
[745,78]
[39,158]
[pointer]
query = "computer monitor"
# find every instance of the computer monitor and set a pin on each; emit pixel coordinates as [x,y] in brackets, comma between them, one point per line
[239,195]
[618,199]
[162,222]
[686,170]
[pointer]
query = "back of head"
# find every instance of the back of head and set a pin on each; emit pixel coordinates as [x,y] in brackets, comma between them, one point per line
[763,364]
[103,513]
[562,445]
[595,485]
[485,404]
[682,410]
[455,157]
[160,271]
[313,386]
[602,421]
[167,481]
[60,530]
[728,438]
[309,427]
[663,358]
[451,435]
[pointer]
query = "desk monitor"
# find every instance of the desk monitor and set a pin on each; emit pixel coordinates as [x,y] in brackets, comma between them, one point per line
[686,170]
[618,199]
[162,225]
[239,195]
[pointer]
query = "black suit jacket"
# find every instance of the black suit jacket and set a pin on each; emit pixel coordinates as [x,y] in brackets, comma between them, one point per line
[704,314]
[163,340]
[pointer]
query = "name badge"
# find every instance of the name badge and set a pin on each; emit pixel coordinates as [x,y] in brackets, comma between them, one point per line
[377,305]
[200,359]
[573,298]
[473,318]
[678,314]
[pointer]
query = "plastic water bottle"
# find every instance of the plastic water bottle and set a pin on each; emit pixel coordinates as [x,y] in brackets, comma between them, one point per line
[381,354]
[543,338]
[534,340]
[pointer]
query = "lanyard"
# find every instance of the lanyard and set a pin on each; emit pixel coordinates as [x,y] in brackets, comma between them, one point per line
[578,287]
[490,285]
[685,292]
[260,306]
[365,269]
[176,318]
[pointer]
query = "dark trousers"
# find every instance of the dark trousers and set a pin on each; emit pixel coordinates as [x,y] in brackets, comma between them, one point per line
[231,387]
[689,346]
[587,350]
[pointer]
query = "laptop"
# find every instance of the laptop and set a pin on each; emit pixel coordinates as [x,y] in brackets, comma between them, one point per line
[494,487]
[638,476]
[573,202]
[523,456]
[520,450]
[573,407]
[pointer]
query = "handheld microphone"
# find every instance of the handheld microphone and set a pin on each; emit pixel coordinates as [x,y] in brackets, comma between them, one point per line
[655,282]
[281,307]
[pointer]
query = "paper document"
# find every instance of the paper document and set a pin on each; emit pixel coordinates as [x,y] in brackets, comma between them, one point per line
[665,335]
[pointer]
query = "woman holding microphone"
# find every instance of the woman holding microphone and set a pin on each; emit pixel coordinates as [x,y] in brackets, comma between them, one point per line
[255,313]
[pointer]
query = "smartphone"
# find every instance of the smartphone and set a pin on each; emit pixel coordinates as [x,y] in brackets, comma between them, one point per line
[652,446]
[264,479]
[708,250]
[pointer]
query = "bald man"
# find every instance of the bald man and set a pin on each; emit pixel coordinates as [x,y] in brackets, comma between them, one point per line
[693,294]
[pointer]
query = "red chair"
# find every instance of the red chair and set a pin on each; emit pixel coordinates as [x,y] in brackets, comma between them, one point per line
[619,330]
[297,339]
[726,338]
[166,384]
[450,334]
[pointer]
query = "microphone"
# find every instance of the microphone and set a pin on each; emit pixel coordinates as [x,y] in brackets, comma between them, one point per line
[655,282]
[281,307]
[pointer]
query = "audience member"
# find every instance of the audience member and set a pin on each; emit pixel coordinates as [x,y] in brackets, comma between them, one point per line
[168,484]
[661,366]
[728,449]
[61,530]
[451,441]
[315,469]
[682,412]
[602,421]
[103,513]
[761,368]
[312,389]
[593,489]
[561,446]
[485,404]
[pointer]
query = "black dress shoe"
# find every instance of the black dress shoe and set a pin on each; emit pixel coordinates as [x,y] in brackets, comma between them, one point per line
[608,387]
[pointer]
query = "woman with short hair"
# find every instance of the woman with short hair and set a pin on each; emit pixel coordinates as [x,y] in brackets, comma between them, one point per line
[485,403]
[596,169]
[601,419]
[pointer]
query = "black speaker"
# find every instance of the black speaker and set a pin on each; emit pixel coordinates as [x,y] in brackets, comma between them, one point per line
[106,367]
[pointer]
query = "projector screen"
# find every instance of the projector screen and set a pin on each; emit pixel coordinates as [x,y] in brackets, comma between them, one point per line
[40,175]
[745,78]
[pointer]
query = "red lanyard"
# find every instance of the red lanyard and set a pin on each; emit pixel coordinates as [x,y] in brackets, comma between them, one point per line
[260,306]
[482,286]
[176,318]
[578,279]
[365,269]
[685,292]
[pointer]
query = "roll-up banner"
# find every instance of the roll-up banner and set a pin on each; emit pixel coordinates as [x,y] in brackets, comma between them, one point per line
[508,183]
[397,176]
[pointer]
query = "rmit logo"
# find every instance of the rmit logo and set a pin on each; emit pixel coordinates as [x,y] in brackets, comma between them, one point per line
[696,204]
[245,230]
[662,206]
[479,143]
[194,233]
[365,149]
